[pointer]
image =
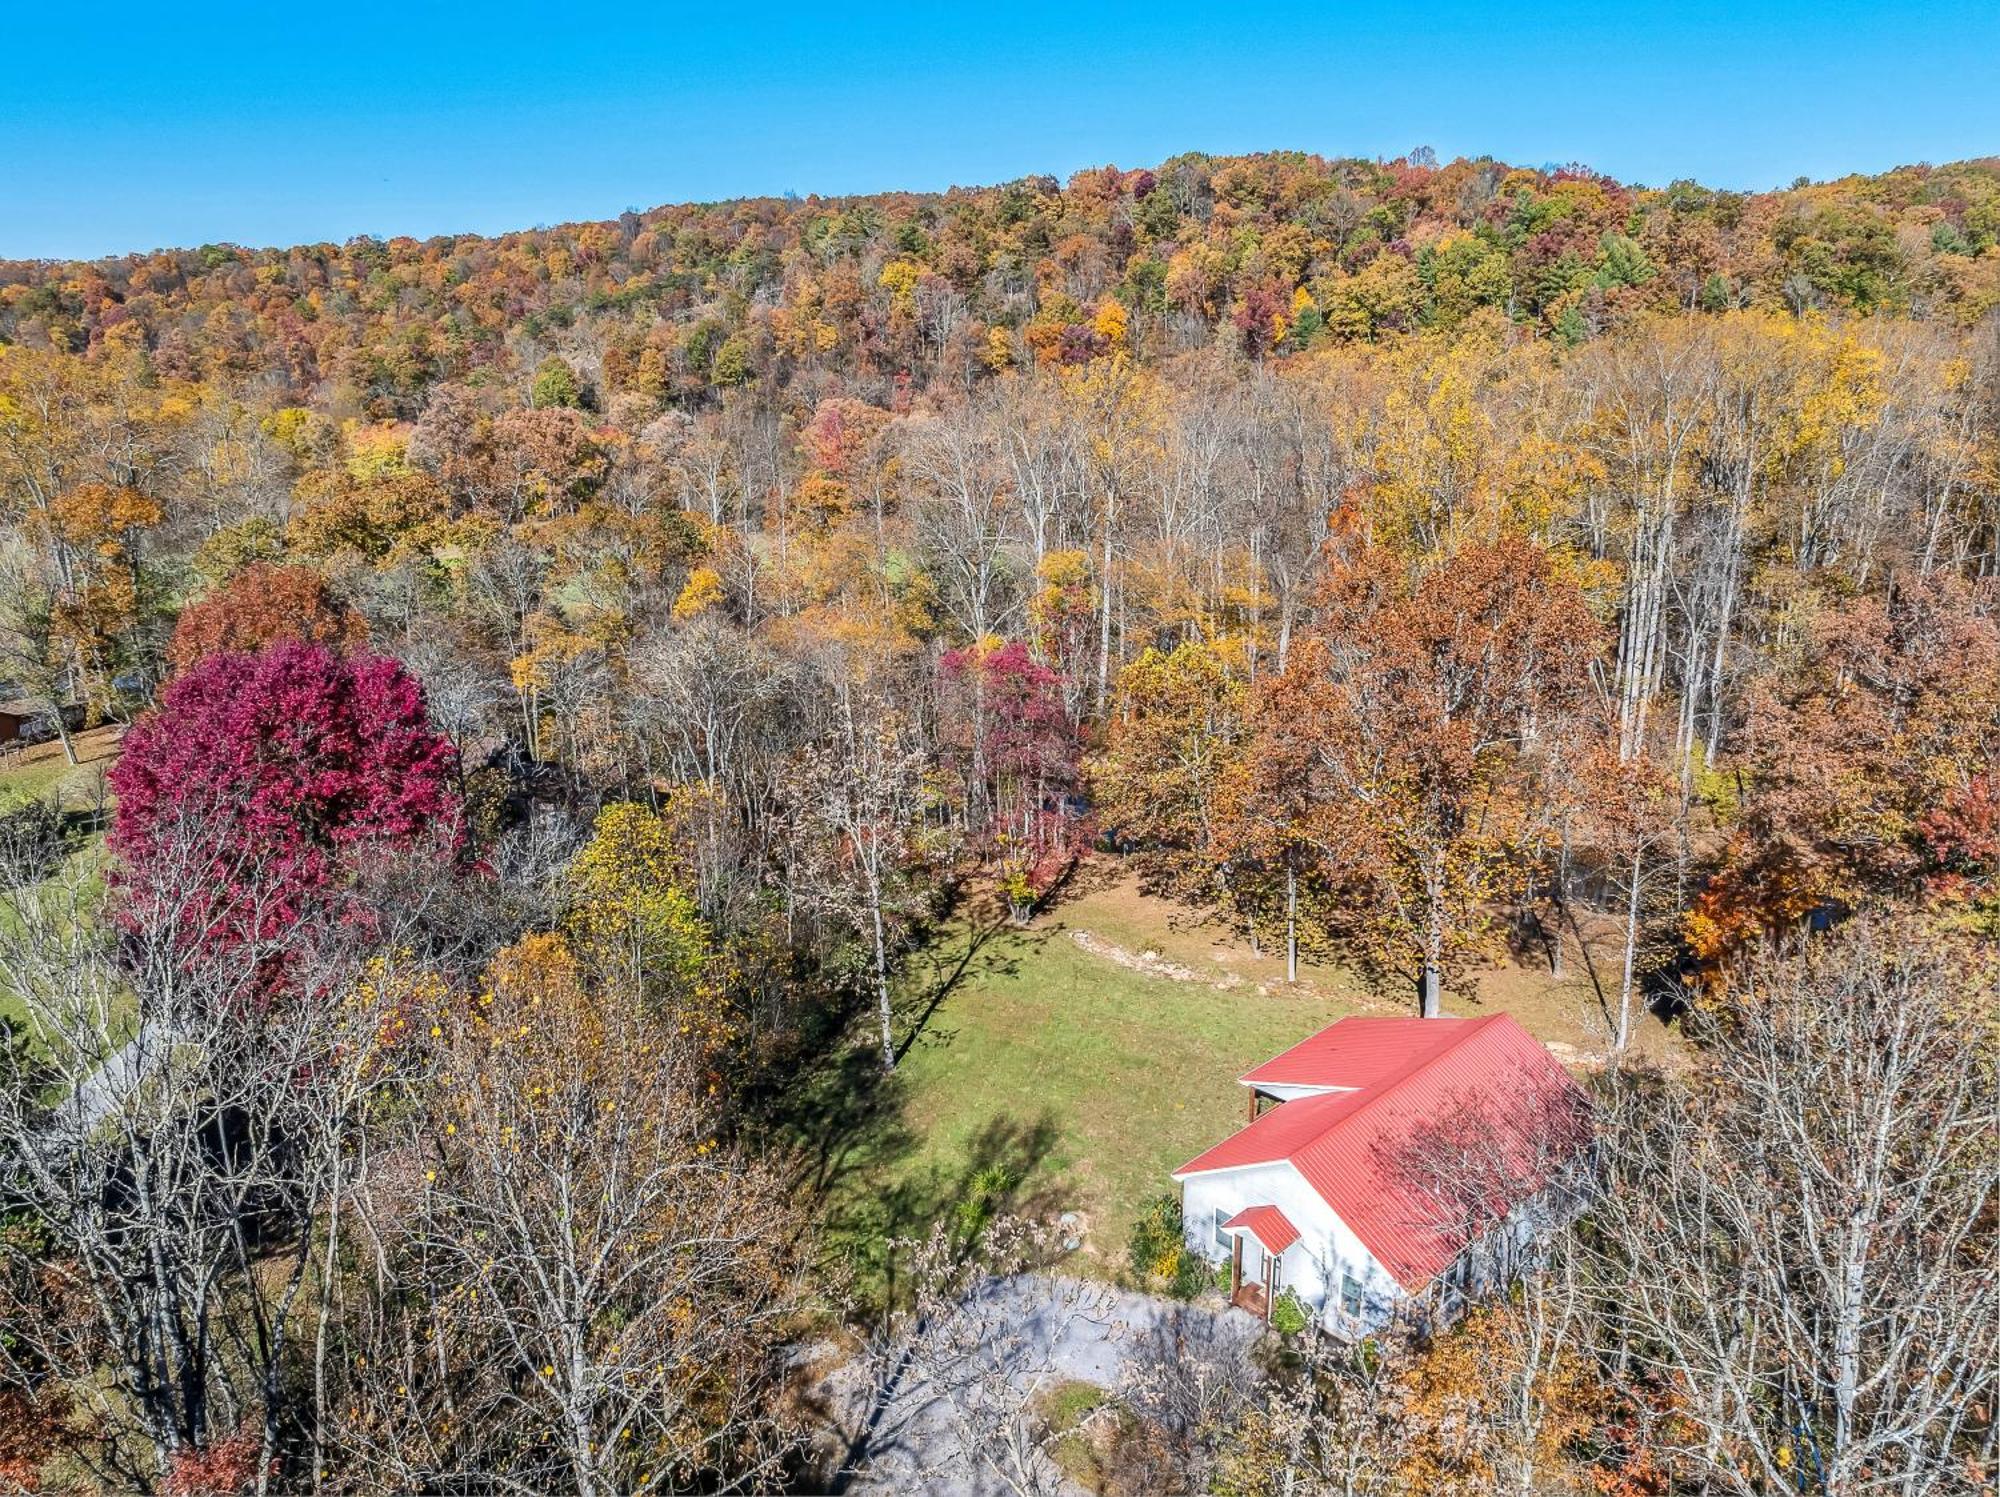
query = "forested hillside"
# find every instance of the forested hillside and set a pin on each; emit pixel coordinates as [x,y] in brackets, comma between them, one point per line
[886,294]
[572,673]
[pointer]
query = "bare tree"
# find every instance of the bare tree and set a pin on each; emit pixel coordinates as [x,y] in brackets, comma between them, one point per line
[1634,827]
[956,469]
[1333,1428]
[32,653]
[462,691]
[859,802]
[560,1279]
[1795,1237]
[170,1133]
[1197,1399]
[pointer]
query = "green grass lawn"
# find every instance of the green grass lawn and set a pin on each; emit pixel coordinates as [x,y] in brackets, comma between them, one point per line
[1058,1078]
[1044,1073]
[41,780]
[46,775]
[87,858]
[41,772]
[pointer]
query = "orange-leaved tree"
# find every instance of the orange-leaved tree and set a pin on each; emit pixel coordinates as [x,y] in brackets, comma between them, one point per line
[261,605]
[1433,711]
[1864,766]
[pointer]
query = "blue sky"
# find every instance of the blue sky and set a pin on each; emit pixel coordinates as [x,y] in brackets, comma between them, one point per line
[279,124]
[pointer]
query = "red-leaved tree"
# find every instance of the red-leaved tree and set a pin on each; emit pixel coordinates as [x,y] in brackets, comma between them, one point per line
[219,1470]
[283,764]
[1010,741]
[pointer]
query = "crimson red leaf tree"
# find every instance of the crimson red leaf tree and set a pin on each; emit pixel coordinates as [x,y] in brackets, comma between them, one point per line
[1009,740]
[286,763]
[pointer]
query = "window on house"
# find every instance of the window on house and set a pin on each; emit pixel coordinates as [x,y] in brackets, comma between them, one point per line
[1222,1238]
[1350,1294]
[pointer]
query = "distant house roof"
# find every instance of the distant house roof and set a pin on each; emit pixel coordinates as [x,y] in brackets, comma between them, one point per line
[1267,1224]
[1427,1096]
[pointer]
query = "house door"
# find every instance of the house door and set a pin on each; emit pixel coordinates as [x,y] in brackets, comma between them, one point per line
[1253,1259]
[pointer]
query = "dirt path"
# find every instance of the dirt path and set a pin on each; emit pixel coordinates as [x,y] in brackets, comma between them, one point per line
[1112,918]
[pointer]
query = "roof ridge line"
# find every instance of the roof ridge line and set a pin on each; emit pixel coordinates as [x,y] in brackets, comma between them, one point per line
[1374,1094]
[1454,1019]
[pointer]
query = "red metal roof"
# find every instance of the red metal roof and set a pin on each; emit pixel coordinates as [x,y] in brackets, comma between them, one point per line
[1358,1053]
[1268,1224]
[1475,1114]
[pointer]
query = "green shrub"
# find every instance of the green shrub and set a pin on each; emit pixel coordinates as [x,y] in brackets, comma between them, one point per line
[984,1194]
[1289,1315]
[1159,1255]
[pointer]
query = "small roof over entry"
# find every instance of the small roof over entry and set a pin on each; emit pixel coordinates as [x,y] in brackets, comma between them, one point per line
[1267,1224]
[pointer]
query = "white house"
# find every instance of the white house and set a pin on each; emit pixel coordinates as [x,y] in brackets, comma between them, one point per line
[1396,1151]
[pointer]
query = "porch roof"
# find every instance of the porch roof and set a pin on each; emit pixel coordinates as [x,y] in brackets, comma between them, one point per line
[1267,1224]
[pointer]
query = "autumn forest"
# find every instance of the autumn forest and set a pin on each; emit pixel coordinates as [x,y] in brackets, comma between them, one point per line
[498,736]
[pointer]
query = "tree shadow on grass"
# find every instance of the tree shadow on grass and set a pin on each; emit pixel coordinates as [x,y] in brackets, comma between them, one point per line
[958,953]
[84,822]
[873,1236]
[1002,1170]
[855,1154]
[827,1097]
[844,1123]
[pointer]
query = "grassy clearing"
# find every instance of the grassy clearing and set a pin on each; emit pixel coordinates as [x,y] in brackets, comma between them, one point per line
[1073,1064]
[1050,1075]
[41,772]
[1127,1075]
[87,859]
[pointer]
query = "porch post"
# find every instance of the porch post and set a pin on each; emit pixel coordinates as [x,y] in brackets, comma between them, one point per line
[1236,1266]
[1270,1284]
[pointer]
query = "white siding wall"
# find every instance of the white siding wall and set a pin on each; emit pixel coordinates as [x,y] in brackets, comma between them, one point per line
[1311,1267]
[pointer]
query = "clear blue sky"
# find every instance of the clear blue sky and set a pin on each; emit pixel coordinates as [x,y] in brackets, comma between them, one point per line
[129,128]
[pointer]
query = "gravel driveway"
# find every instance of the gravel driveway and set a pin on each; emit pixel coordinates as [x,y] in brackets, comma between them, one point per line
[1045,1330]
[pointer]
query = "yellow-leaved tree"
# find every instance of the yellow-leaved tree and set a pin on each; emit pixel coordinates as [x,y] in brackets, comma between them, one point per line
[632,915]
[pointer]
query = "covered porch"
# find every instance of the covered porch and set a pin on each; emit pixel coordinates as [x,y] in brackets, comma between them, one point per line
[1257,1258]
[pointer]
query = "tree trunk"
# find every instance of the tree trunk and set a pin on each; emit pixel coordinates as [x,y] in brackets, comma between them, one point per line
[1291,924]
[324,1319]
[882,986]
[1431,992]
[62,732]
[1624,1037]
[1104,617]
